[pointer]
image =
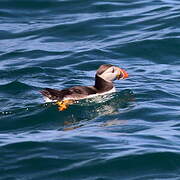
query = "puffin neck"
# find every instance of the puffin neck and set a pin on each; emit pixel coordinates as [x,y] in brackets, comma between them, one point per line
[101,85]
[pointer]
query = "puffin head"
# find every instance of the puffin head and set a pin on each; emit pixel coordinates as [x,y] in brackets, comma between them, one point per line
[110,73]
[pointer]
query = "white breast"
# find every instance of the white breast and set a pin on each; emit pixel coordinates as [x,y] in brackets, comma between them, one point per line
[47,100]
[100,94]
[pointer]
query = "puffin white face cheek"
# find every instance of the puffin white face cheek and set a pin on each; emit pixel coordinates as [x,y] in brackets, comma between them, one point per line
[110,74]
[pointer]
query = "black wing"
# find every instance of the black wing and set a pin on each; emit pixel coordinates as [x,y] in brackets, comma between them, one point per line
[54,94]
[77,91]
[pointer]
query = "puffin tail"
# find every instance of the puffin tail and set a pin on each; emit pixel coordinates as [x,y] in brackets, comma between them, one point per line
[51,94]
[44,92]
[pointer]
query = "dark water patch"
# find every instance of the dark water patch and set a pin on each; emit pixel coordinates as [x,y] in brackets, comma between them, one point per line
[27,117]
[146,49]
[32,155]
[28,5]
[30,54]
[156,95]
[19,73]
[152,114]
[57,62]
[156,163]
[15,87]
[4,13]
[93,58]
[159,176]
[93,64]
[25,75]
[35,5]
[41,10]
[108,6]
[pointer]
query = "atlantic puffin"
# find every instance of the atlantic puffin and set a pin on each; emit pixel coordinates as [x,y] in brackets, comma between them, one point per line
[104,78]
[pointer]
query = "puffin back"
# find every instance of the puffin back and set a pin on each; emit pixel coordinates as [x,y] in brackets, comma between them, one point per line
[54,94]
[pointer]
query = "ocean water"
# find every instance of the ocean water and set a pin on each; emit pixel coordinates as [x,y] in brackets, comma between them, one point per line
[133,134]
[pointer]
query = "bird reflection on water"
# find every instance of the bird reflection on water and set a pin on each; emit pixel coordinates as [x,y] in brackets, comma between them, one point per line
[89,109]
[77,115]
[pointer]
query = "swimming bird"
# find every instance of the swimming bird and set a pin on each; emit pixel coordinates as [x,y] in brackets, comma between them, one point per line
[104,78]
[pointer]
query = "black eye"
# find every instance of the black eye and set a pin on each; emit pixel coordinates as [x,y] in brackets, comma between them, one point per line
[113,70]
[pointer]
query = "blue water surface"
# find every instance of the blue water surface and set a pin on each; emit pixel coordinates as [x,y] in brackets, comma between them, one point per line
[132,134]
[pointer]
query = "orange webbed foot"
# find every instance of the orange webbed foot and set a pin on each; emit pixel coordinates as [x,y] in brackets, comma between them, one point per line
[63,105]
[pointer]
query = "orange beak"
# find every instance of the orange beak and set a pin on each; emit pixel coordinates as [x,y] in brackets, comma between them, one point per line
[122,74]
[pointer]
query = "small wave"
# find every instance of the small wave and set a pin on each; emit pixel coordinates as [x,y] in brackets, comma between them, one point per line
[90,164]
[32,54]
[30,5]
[144,48]
[15,87]
[159,164]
